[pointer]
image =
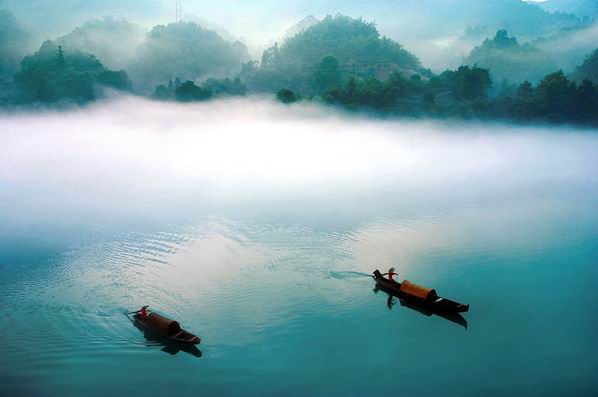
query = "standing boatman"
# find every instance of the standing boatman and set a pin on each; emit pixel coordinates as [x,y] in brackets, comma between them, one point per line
[143,312]
[391,273]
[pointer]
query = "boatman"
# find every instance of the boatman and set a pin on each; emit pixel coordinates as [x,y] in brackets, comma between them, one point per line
[143,312]
[391,273]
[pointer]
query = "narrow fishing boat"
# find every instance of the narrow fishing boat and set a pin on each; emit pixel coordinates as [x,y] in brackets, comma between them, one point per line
[165,327]
[419,295]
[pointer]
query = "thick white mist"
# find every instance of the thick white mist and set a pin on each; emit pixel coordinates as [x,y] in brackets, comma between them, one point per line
[132,154]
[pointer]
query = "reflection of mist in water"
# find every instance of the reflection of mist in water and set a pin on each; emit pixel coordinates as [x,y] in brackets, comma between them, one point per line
[257,226]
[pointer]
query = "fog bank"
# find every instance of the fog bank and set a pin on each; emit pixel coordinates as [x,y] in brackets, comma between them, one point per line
[131,155]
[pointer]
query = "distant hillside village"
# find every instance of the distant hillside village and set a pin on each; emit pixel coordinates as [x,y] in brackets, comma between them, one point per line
[337,61]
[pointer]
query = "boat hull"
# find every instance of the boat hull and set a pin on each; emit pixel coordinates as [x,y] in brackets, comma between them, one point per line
[439,304]
[182,337]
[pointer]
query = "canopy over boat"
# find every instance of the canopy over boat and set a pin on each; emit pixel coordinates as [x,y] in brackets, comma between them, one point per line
[407,287]
[165,327]
[161,324]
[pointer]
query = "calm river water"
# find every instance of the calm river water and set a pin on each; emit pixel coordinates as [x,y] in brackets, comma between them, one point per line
[257,225]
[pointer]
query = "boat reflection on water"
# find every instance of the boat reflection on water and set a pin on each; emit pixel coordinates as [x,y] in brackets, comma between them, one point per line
[173,349]
[453,317]
[170,347]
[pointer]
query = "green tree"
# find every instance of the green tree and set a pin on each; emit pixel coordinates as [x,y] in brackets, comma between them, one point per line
[163,93]
[190,92]
[555,97]
[525,90]
[53,74]
[586,106]
[286,96]
[468,83]
[588,70]
[327,74]
[270,58]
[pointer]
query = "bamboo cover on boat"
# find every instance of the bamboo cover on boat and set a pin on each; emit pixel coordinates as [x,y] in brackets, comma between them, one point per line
[161,324]
[412,289]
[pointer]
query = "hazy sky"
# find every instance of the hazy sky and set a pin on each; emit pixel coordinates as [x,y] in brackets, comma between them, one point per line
[259,20]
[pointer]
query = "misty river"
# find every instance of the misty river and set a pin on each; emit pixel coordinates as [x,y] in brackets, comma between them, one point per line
[257,225]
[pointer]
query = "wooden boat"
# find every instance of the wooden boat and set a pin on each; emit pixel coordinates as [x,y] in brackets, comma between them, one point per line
[416,294]
[166,328]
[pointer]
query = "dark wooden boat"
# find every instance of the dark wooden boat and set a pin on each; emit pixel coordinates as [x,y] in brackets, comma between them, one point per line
[165,328]
[413,293]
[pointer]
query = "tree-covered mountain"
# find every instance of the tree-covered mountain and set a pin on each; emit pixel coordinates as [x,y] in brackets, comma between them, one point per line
[355,43]
[580,8]
[325,53]
[569,46]
[509,60]
[112,41]
[436,30]
[56,74]
[187,51]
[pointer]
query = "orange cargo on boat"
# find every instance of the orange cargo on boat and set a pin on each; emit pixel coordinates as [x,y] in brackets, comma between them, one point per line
[407,287]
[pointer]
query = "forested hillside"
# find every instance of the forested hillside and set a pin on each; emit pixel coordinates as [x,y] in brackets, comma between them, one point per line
[113,41]
[184,50]
[335,60]
[54,74]
[509,60]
